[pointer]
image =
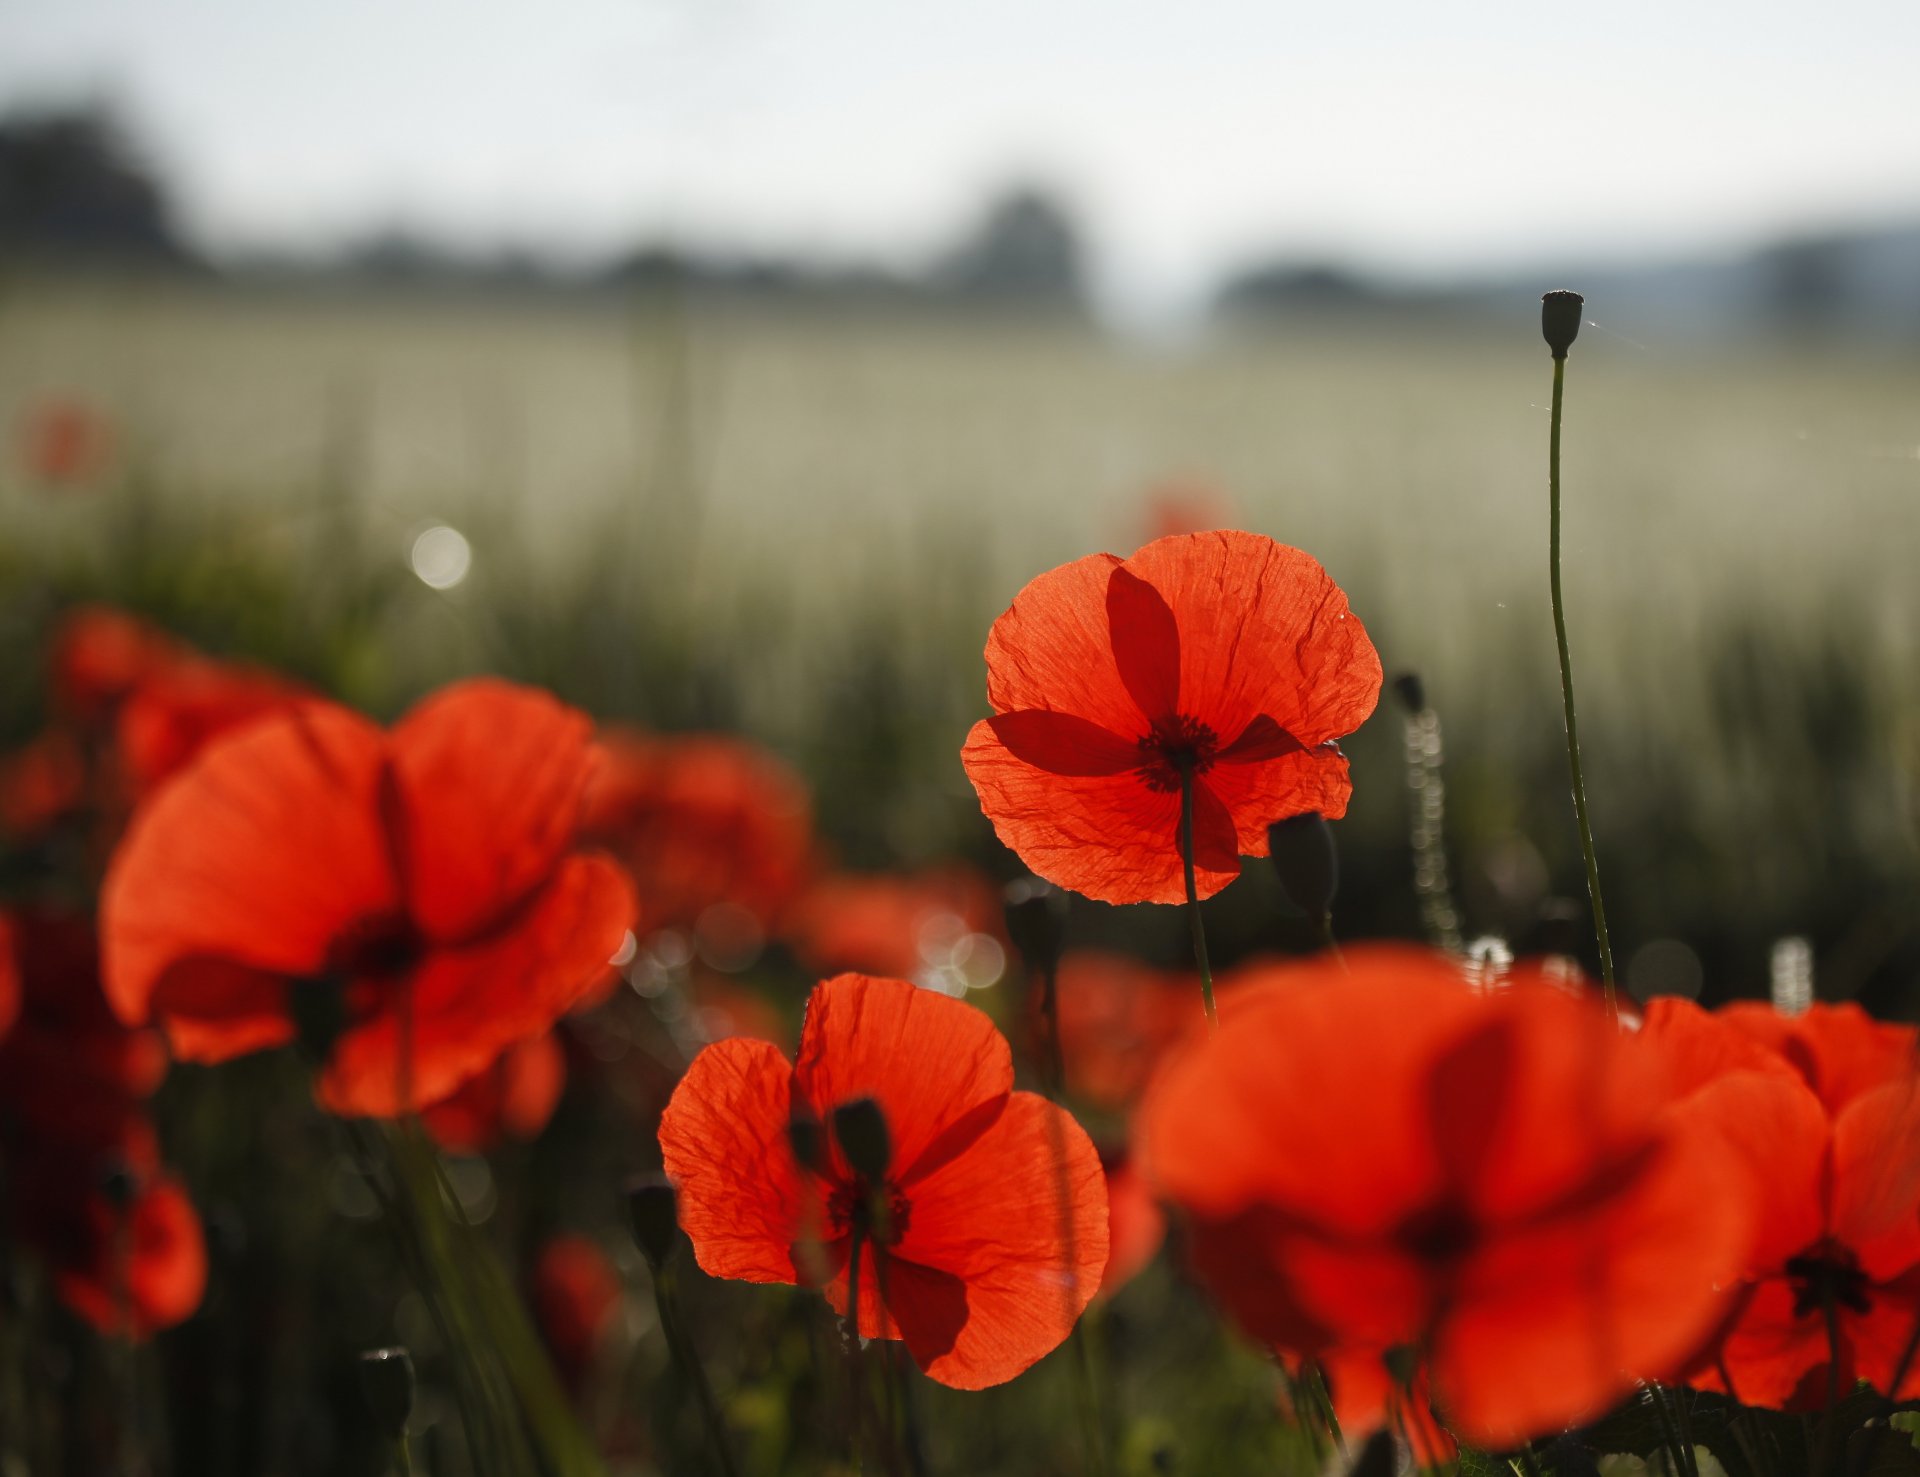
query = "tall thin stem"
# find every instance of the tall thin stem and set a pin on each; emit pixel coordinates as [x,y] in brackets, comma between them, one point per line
[1193,896]
[1566,696]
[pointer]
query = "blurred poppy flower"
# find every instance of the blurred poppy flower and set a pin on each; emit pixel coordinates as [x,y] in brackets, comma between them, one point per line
[1370,1394]
[701,822]
[65,443]
[1822,1110]
[512,1097]
[97,655]
[1117,1018]
[723,1007]
[1383,1158]
[41,783]
[1221,658]
[1186,505]
[989,1248]
[421,882]
[74,1084]
[576,1293]
[179,704]
[1136,1226]
[943,927]
[9,980]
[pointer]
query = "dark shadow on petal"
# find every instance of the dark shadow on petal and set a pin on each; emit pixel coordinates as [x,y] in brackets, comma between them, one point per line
[929,1307]
[955,1139]
[1063,744]
[1263,738]
[1146,643]
[1469,1094]
[1216,841]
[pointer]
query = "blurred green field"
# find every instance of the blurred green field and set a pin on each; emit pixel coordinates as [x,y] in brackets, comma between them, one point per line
[799,521]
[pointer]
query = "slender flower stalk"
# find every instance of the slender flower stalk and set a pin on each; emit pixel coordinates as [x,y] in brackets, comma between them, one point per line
[1560,324]
[1193,897]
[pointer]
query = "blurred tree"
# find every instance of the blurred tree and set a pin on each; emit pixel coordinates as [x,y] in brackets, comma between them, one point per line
[1026,250]
[71,181]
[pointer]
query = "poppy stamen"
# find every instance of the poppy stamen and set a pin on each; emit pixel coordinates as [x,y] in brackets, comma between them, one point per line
[1826,1277]
[1175,748]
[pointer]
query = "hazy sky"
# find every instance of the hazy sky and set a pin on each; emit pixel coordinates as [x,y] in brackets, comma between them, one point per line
[1410,134]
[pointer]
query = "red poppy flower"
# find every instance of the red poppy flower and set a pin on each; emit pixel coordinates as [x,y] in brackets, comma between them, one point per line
[97,656]
[512,1097]
[1186,505]
[426,874]
[1136,1226]
[942,927]
[1385,1157]
[65,443]
[135,1269]
[996,1232]
[1823,1112]
[701,821]
[576,1294]
[9,980]
[182,703]
[41,783]
[1223,656]
[1118,1016]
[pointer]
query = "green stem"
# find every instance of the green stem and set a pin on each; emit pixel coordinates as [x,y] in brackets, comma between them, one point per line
[1566,698]
[680,1348]
[857,1373]
[1193,896]
[403,1457]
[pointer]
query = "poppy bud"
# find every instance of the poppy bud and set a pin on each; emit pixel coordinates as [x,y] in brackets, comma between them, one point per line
[861,1129]
[119,1185]
[1306,862]
[1560,320]
[319,1011]
[803,1133]
[1034,923]
[653,1212]
[1411,691]
[1377,1458]
[386,1383]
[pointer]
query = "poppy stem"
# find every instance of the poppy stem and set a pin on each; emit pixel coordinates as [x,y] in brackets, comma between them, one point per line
[402,1457]
[680,1348]
[1566,693]
[1193,896]
[857,1384]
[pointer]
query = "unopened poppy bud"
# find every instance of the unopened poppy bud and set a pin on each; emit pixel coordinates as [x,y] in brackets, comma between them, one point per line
[803,1133]
[1411,691]
[1377,1458]
[653,1213]
[1560,320]
[119,1185]
[1033,923]
[861,1129]
[1306,862]
[386,1383]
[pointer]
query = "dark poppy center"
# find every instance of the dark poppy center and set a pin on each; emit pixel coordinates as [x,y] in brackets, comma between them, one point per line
[1827,1276]
[1174,748]
[1438,1234]
[378,948]
[879,1212]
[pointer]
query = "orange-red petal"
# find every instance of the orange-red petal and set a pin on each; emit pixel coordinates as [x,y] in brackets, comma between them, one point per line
[1053,648]
[723,1139]
[487,780]
[471,1002]
[258,856]
[940,1070]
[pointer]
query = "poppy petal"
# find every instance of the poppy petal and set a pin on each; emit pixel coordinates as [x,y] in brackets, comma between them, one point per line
[723,1139]
[1553,1322]
[1111,838]
[260,854]
[1263,630]
[1146,644]
[939,1068]
[1063,744]
[1052,648]
[487,780]
[1259,792]
[1261,739]
[1876,1178]
[1839,1049]
[1020,1219]
[166,1267]
[469,1003]
[212,1010]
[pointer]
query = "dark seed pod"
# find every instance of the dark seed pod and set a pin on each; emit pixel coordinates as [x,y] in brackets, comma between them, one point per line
[1560,320]
[861,1131]
[1411,691]
[1306,861]
[386,1382]
[653,1213]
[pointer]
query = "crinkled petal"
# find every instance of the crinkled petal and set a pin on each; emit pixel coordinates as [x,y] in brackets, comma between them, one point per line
[1258,793]
[1020,1218]
[470,1002]
[1876,1177]
[724,1141]
[1063,744]
[1052,648]
[1263,630]
[939,1068]
[1146,644]
[258,855]
[487,783]
[1109,837]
